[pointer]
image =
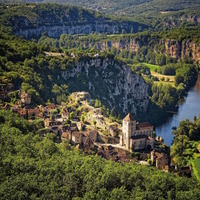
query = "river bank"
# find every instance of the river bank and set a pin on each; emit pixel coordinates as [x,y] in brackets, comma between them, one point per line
[188,108]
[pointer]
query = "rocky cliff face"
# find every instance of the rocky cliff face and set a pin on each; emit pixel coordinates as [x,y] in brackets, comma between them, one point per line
[173,48]
[174,20]
[55,30]
[181,50]
[128,44]
[54,26]
[54,20]
[111,81]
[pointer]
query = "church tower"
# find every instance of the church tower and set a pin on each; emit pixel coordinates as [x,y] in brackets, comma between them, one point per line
[129,126]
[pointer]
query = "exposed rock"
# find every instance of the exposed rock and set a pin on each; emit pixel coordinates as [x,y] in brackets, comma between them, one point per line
[184,49]
[59,19]
[128,44]
[112,82]
[55,30]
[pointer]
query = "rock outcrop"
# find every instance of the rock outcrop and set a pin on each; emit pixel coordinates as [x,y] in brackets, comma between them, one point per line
[173,48]
[122,44]
[55,30]
[56,20]
[110,81]
[184,49]
[174,21]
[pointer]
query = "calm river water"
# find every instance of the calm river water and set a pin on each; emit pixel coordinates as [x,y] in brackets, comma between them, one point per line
[189,108]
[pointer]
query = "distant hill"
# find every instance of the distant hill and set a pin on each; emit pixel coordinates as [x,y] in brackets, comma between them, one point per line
[127,7]
[33,20]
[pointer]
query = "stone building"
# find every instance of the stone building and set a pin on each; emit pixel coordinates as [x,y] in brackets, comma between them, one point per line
[81,96]
[65,114]
[136,136]
[161,160]
[25,98]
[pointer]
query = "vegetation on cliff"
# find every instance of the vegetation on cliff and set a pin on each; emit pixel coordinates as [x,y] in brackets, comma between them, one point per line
[19,18]
[52,78]
[25,65]
[128,7]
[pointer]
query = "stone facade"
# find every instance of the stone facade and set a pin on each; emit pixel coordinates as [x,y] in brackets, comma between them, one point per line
[81,96]
[25,98]
[161,160]
[135,135]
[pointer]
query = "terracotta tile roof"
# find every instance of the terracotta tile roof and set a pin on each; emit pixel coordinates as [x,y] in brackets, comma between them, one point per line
[143,125]
[150,138]
[129,117]
[51,106]
[65,135]
[76,133]
[160,155]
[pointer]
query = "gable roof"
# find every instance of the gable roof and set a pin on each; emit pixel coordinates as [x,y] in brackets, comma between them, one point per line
[65,134]
[75,134]
[143,125]
[129,117]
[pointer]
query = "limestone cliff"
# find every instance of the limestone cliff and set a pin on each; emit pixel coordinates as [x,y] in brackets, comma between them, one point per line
[110,81]
[55,20]
[173,21]
[173,48]
[122,44]
[55,30]
[180,50]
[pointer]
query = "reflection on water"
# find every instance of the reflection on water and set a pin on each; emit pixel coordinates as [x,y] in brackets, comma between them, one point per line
[189,108]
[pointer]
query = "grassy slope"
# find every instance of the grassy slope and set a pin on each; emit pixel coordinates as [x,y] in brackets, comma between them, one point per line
[151,66]
[196,167]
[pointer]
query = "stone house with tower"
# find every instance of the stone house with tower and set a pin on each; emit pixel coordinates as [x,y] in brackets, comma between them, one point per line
[136,136]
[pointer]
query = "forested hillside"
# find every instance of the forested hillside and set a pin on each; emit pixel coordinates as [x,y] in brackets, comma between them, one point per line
[131,7]
[31,21]
[33,167]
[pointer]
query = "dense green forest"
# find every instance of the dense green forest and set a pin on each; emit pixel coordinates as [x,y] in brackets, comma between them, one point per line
[127,7]
[186,145]
[14,18]
[34,167]
[154,14]
[186,140]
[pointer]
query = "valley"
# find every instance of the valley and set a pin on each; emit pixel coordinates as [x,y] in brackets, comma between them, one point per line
[90,100]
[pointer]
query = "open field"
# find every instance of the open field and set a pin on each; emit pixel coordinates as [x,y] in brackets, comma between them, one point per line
[151,66]
[196,167]
[164,83]
[159,76]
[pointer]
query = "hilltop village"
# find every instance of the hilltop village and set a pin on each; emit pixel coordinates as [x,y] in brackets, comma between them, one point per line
[85,127]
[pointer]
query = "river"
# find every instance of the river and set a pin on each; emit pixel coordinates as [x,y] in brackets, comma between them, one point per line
[189,108]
